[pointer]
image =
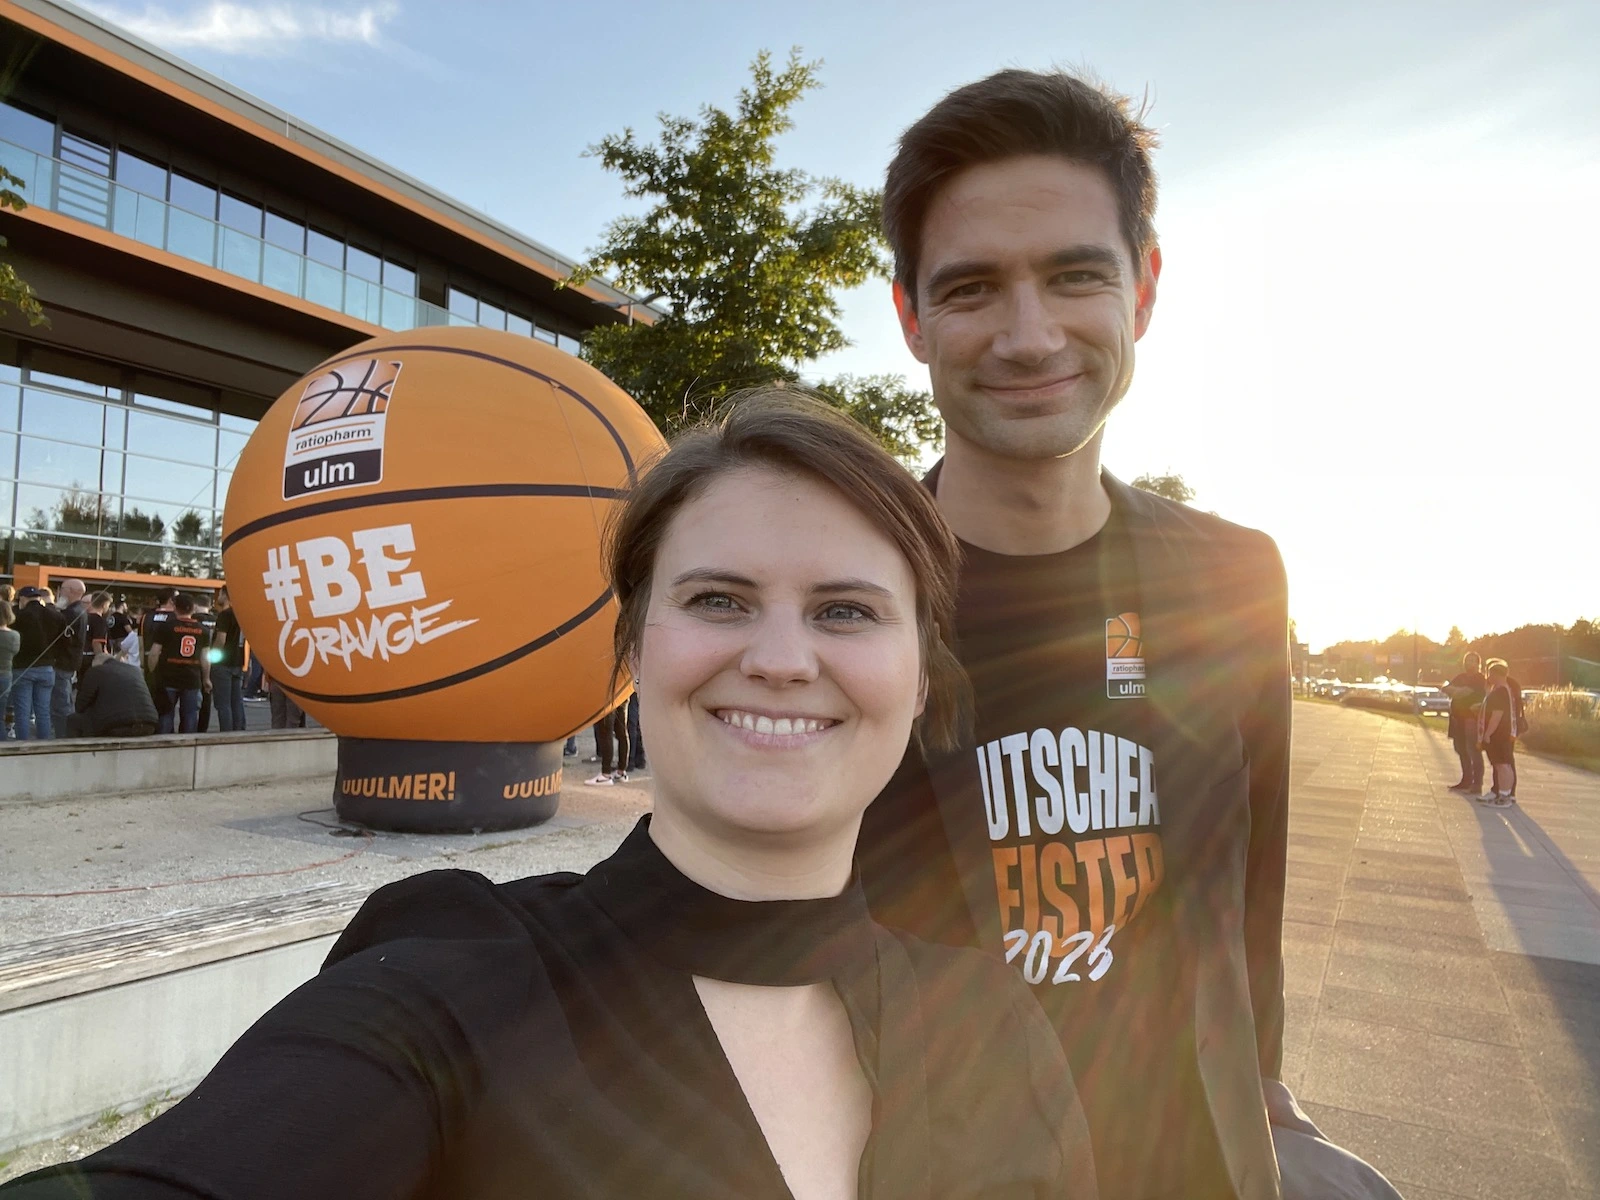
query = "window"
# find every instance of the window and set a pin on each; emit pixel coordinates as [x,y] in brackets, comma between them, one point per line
[240,214]
[27,129]
[167,437]
[193,195]
[491,316]
[325,248]
[570,344]
[229,447]
[285,232]
[363,264]
[141,174]
[167,482]
[544,335]
[398,278]
[520,325]
[87,153]
[59,465]
[55,416]
[10,400]
[463,305]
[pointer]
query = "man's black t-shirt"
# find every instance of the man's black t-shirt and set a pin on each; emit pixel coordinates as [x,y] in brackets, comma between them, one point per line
[1066,773]
[182,641]
[230,653]
[69,647]
[1498,701]
[118,628]
[98,630]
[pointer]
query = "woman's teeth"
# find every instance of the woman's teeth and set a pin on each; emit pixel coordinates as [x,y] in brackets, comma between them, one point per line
[783,726]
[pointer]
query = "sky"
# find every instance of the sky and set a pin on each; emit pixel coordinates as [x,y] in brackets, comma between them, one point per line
[1375,336]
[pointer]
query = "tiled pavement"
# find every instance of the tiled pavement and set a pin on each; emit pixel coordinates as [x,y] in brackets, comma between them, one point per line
[1443,963]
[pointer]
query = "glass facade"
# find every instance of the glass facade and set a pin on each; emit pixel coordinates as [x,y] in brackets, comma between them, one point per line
[106,468]
[85,177]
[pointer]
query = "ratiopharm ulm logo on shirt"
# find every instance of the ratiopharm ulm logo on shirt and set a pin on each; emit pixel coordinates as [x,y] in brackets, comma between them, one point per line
[1124,657]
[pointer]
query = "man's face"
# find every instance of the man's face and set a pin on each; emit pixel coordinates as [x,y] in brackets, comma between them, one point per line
[1027,305]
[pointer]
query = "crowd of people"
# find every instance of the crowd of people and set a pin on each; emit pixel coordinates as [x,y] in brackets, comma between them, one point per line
[75,664]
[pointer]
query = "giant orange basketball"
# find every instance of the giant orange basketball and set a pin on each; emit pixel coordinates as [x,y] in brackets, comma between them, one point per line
[412,538]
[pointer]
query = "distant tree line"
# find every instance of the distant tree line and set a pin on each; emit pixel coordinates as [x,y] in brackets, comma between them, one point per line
[1539,655]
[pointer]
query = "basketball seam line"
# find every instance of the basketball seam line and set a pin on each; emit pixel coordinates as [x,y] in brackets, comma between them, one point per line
[484,668]
[463,491]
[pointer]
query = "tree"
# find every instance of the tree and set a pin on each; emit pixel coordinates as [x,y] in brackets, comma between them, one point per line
[1170,485]
[902,417]
[747,258]
[14,289]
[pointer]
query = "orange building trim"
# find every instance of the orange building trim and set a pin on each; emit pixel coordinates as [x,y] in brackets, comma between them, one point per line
[81,45]
[40,575]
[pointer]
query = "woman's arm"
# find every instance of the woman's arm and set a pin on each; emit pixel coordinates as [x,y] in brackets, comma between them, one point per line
[347,1088]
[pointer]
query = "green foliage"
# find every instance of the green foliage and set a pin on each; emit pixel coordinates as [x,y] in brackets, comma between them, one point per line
[1170,485]
[901,417]
[14,289]
[747,259]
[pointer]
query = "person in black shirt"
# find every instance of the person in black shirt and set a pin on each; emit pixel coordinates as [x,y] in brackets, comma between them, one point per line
[710,1013]
[68,653]
[1117,828]
[178,658]
[40,627]
[1497,734]
[113,701]
[208,622]
[97,631]
[227,667]
[119,626]
[1466,692]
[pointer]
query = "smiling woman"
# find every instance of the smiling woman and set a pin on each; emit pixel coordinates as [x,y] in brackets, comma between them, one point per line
[710,1012]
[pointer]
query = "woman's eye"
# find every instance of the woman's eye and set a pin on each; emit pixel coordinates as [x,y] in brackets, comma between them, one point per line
[844,611]
[714,602]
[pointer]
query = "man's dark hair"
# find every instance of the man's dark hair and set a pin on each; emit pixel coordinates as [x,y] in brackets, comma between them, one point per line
[1010,114]
[166,595]
[100,600]
[184,605]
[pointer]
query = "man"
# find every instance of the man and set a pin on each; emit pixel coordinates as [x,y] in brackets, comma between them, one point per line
[1466,696]
[1119,829]
[177,657]
[154,622]
[208,620]
[39,627]
[1497,734]
[113,701]
[67,657]
[227,666]
[119,626]
[97,632]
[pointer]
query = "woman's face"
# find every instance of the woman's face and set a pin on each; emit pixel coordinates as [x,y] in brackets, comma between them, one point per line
[779,666]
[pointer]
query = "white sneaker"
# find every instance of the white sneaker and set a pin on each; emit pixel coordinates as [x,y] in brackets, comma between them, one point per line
[1486,798]
[600,781]
[619,776]
[1502,802]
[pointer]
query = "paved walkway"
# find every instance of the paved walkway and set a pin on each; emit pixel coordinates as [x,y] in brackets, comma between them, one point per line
[1443,963]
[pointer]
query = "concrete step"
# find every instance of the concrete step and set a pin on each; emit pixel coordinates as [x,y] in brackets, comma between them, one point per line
[112,1017]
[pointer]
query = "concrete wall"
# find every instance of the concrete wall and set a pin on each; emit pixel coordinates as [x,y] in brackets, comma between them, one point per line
[171,762]
[65,1062]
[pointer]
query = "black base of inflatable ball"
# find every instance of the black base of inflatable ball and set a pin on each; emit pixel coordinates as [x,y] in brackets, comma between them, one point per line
[446,787]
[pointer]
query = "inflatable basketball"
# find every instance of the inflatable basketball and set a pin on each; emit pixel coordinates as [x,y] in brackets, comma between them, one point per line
[412,537]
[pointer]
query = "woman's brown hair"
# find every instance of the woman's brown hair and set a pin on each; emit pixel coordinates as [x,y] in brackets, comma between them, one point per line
[785,430]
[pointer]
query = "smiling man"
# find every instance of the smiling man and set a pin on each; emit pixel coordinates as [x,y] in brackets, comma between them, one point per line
[1118,828]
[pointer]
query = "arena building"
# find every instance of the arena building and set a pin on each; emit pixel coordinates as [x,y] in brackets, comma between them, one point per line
[196,251]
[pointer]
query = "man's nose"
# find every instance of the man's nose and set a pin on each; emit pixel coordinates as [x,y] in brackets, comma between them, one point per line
[781,650]
[1031,334]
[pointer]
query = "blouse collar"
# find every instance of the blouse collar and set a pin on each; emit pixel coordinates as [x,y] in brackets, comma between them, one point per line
[774,943]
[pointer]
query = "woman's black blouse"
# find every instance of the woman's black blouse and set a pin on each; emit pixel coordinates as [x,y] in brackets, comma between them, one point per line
[543,1039]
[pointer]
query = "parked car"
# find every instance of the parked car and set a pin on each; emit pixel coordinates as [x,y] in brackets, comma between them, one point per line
[1430,701]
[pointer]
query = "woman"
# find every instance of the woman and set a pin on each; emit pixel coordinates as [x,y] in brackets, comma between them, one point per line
[710,1012]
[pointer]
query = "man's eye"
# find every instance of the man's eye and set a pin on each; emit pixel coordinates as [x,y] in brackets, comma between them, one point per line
[966,291]
[1080,278]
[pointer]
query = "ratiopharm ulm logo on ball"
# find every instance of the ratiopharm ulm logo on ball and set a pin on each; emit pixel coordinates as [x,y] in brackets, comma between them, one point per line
[412,540]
